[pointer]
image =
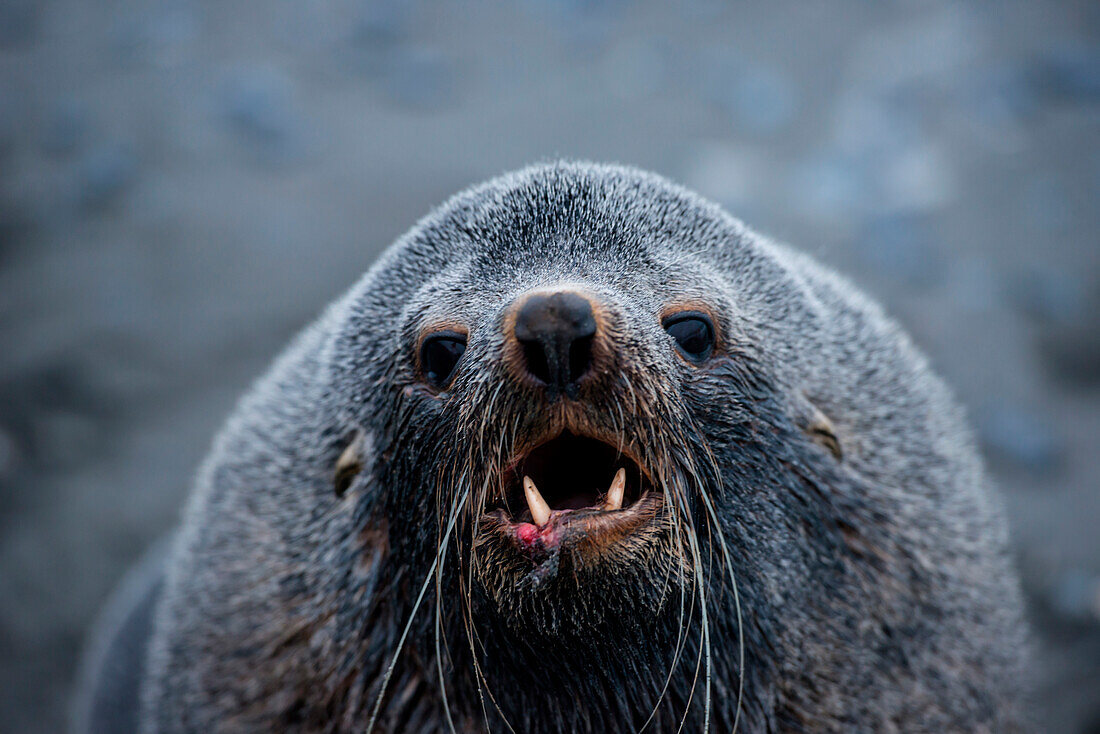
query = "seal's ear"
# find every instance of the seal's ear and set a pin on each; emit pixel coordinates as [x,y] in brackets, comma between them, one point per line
[349,464]
[818,426]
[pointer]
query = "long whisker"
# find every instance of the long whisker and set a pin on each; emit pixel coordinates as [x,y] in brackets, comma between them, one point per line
[669,481]
[408,624]
[713,519]
[442,555]
[704,649]
[492,471]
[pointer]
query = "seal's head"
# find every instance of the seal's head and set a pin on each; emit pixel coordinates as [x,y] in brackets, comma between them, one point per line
[544,372]
[649,466]
[607,461]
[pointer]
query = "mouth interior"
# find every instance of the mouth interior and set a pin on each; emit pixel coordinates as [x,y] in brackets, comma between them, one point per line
[572,473]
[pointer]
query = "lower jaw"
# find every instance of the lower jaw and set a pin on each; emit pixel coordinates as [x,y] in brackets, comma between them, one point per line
[575,603]
[587,538]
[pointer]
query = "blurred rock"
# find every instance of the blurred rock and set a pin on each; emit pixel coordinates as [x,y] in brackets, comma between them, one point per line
[1092,721]
[1002,95]
[589,37]
[829,189]
[764,100]
[15,225]
[586,27]
[868,127]
[729,174]
[899,247]
[1011,92]
[572,9]
[1076,595]
[759,99]
[258,104]
[1070,74]
[64,439]
[1070,344]
[9,119]
[9,456]
[1017,436]
[161,36]
[702,11]
[19,22]
[66,128]
[104,174]
[933,43]
[973,285]
[1045,205]
[377,30]
[420,78]
[1074,356]
[383,20]
[907,168]
[917,178]
[1049,295]
[51,401]
[636,69]
[123,372]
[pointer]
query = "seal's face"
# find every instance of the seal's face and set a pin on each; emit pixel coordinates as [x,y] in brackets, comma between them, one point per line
[571,401]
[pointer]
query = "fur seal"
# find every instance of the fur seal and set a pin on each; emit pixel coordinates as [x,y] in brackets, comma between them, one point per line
[582,453]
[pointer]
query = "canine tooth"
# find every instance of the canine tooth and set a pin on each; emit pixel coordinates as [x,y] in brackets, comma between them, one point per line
[540,511]
[614,499]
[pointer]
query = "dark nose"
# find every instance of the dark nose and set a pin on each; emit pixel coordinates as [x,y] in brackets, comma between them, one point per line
[556,332]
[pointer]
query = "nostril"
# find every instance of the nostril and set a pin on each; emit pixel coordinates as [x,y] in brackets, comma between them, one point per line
[580,357]
[535,358]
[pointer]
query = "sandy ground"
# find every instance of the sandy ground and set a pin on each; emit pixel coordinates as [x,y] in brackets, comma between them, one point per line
[183,185]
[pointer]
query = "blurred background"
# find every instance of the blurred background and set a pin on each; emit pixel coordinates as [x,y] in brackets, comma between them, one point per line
[184,184]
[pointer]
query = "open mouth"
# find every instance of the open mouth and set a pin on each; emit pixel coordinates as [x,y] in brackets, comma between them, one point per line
[573,488]
[570,473]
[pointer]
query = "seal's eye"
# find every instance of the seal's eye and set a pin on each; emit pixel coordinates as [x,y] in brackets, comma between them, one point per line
[439,355]
[693,332]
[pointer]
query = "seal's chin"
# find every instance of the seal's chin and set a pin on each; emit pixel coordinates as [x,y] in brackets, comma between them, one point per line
[573,492]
